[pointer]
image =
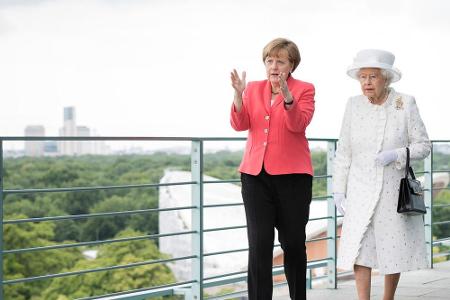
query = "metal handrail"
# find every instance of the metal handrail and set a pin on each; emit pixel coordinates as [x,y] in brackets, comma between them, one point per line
[65,274]
[95,243]
[94,215]
[93,188]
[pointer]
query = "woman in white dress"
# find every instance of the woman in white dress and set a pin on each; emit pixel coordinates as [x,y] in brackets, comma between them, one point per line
[370,161]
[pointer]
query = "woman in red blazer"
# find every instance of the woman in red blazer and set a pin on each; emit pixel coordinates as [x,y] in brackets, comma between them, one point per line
[276,169]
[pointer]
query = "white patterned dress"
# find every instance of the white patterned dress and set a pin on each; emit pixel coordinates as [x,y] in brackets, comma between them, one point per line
[373,233]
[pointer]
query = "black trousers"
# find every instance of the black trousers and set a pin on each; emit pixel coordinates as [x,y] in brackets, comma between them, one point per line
[281,202]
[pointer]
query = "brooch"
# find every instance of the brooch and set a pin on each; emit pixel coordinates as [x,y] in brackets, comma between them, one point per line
[399,103]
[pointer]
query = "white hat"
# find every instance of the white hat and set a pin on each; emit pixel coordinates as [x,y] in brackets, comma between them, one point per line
[374,58]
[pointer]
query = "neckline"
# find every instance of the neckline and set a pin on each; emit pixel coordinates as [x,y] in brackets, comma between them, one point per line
[388,97]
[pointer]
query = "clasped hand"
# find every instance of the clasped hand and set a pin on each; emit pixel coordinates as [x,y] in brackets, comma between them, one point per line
[284,88]
[386,157]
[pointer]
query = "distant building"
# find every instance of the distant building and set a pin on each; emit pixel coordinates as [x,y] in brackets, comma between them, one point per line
[84,147]
[178,221]
[83,131]
[90,254]
[221,240]
[69,129]
[34,148]
[51,148]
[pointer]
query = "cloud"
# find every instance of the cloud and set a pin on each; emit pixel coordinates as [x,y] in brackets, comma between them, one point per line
[21,3]
[153,67]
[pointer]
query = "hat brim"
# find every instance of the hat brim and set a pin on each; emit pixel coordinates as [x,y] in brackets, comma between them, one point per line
[353,70]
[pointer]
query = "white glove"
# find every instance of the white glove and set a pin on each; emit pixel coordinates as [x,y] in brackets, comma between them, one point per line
[386,157]
[339,200]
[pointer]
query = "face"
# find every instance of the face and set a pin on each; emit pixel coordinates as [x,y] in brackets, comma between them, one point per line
[372,83]
[275,65]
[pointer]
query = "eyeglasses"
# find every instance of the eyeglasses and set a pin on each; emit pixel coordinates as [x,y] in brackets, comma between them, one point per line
[368,77]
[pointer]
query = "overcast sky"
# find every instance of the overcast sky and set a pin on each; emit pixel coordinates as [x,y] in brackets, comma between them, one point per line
[161,67]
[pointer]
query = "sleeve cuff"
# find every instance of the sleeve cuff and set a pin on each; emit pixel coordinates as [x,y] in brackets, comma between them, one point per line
[234,110]
[339,186]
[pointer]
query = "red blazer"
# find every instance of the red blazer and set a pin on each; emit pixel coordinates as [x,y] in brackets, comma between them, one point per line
[276,135]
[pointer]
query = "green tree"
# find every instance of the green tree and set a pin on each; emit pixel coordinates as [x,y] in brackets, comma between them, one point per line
[319,159]
[101,228]
[35,263]
[61,172]
[441,214]
[105,282]
[223,164]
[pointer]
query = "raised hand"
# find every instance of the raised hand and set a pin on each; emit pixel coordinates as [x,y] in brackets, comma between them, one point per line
[284,88]
[238,85]
[237,82]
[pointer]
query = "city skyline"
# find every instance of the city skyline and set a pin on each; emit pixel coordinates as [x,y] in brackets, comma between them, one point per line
[65,115]
[69,128]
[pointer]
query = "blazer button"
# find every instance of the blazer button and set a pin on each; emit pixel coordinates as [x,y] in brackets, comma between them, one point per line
[265,144]
[267,118]
[266,130]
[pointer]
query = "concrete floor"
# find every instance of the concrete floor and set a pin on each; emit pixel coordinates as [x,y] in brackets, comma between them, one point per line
[433,284]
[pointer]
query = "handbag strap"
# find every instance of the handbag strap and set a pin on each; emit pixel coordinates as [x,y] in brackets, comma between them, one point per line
[408,168]
[407,163]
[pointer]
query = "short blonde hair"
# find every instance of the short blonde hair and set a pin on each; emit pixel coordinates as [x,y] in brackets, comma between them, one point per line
[274,47]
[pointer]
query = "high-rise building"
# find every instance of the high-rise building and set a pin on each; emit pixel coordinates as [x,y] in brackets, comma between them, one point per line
[69,113]
[99,147]
[84,147]
[34,148]
[69,129]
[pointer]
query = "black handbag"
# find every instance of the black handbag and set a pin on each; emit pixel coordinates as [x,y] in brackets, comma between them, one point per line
[410,198]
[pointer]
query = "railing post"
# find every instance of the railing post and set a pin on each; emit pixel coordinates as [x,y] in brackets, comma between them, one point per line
[308,278]
[428,218]
[197,218]
[332,223]
[1,219]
